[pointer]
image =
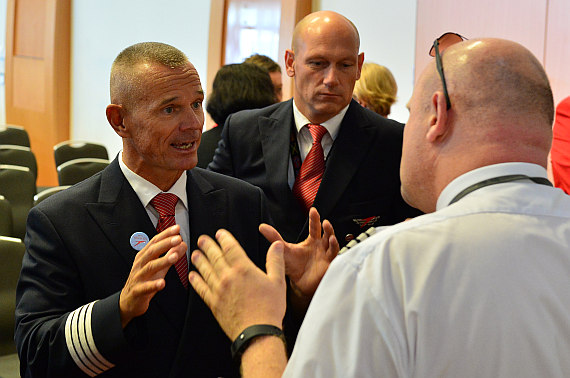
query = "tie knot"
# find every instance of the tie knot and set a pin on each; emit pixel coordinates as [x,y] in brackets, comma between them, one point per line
[317,132]
[165,203]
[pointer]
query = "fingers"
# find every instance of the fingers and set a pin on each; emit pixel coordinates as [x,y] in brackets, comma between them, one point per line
[232,250]
[207,273]
[334,248]
[197,282]
[275,264]
[314,223]
[159,245]
[327,229]
[215,253]
[148,288]
[328,233]
[175,253]
[270,233]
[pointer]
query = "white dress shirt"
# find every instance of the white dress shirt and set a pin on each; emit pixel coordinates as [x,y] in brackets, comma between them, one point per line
[146,191]
[479,288]
[305,139]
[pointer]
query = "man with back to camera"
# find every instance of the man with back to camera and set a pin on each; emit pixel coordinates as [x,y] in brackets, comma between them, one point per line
[92,298]
[478,288]
[359,151]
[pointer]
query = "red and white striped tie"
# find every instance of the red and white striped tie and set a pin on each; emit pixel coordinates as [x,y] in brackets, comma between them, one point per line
[165,204]
[311,172]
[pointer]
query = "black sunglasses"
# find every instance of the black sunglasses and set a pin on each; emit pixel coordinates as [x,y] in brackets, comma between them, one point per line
[446,40]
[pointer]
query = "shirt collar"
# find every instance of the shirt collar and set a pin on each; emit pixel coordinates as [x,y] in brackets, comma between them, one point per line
[146,190]
[332,125]
[477,175]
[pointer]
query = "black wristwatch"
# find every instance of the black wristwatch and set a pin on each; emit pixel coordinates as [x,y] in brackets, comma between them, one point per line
[243,340]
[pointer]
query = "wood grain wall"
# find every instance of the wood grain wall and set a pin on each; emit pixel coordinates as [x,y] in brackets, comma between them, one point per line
[38,76]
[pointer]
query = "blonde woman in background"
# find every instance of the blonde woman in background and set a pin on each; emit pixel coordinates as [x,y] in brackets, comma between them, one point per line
[376,89]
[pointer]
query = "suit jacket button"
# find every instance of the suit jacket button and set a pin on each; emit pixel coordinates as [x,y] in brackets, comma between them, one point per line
[348,237]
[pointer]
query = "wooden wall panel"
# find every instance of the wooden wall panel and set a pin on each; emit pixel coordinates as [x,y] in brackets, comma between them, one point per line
[29,25]
[30,77]
[38,76]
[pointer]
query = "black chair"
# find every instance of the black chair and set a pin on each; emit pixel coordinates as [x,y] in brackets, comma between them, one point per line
[12,134]
[18,185]
[6,226]
[47,193]
[19,155]
[11,254]
[77,170]
[74,149]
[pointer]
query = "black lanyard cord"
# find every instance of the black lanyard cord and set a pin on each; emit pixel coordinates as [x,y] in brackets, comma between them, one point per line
[498,180]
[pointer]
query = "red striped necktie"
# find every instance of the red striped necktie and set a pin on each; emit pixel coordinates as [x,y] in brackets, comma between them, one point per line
[165,204]
[311,172]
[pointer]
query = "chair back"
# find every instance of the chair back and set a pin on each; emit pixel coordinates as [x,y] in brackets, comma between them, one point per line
[12,134]
[6,227]
[18,185]
[77,170]
[11,254]
[74,149]
[19,155]
[48,192]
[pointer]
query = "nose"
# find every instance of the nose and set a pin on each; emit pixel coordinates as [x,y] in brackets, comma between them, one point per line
[193,119]
[331,76]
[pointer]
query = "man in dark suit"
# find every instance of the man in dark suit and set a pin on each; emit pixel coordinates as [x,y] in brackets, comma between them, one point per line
[360,186]
[95,295]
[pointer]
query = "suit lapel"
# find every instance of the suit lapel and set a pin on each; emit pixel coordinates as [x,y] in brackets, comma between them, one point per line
[206,207]
[120,213]
[275,133]
[207,210]
[355,136]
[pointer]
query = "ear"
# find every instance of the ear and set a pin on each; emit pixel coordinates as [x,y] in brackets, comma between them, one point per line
[439,126]
[289,62]
[360,62]
[115,118]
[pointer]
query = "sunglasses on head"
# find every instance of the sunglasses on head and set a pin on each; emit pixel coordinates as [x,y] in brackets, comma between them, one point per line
[440,44]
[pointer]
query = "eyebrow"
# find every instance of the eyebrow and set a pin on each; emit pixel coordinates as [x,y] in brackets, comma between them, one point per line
[171,99]
[166,101]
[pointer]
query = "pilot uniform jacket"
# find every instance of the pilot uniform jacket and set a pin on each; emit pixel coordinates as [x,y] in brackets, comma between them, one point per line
[361,183]
[78,252]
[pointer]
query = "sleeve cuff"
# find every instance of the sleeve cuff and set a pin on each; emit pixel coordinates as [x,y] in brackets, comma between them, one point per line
[81,344]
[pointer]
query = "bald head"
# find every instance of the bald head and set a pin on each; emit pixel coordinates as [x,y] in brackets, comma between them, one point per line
[125,72]
[501,111]
[496,78]
[316,22]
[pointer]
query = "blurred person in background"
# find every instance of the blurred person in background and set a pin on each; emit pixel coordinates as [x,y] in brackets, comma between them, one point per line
[274,70]
[236,87]
[376,89]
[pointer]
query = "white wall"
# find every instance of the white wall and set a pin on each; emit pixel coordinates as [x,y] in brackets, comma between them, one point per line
[387,36]
[102,28]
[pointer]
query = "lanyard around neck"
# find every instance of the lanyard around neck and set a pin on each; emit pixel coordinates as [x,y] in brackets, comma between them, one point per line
[498,180]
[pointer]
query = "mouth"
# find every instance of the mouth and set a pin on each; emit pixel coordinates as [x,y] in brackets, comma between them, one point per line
[183,146]
[328,95]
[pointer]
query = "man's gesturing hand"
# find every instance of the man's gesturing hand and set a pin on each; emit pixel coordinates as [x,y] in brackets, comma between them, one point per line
[238,292]
[307,262]
[148,272]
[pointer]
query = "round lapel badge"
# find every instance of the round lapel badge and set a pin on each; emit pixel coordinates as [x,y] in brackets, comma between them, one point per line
[139,240]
